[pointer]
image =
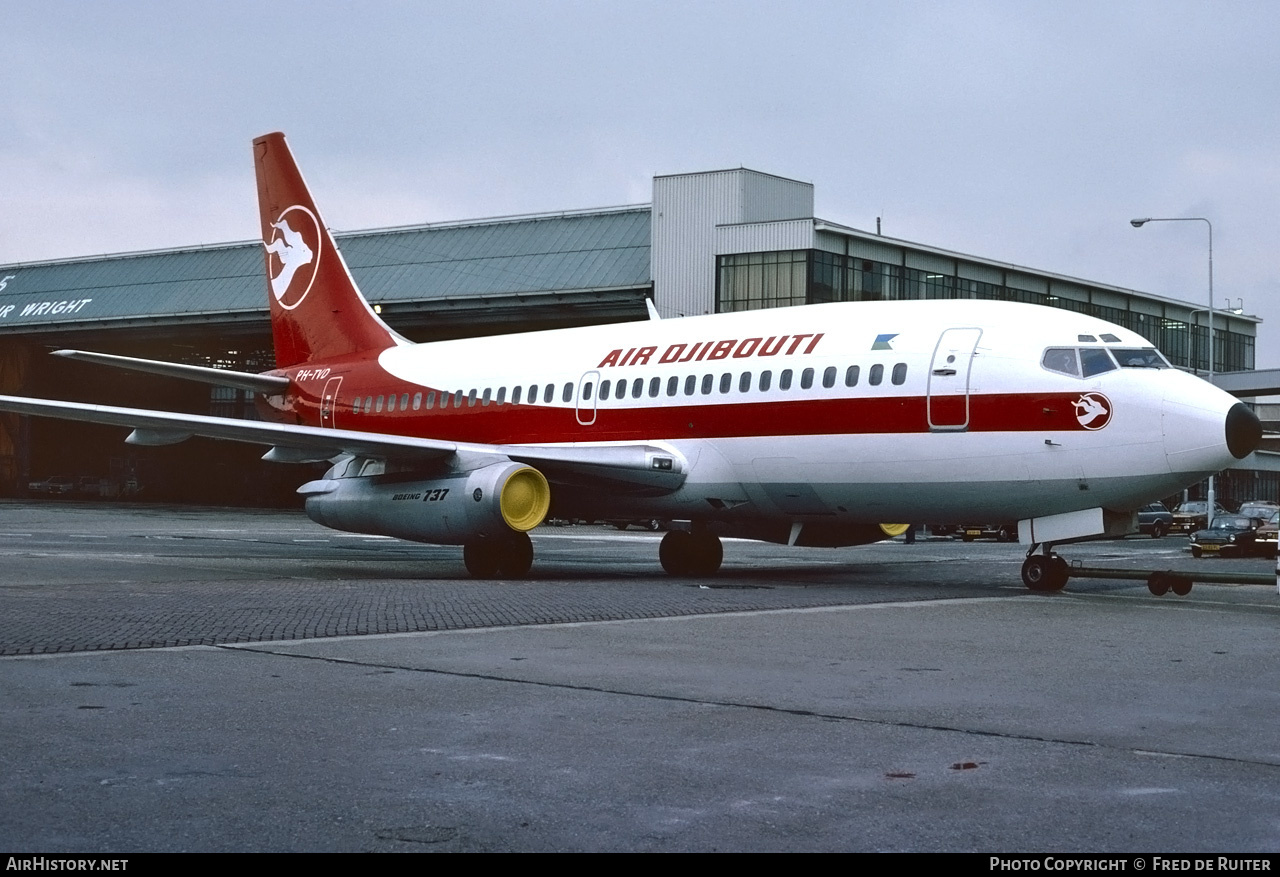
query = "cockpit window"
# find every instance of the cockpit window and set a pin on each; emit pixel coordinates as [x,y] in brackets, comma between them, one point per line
[1061,360]
[1086,338]
[1109,338]
[1095,361]
[1140,357]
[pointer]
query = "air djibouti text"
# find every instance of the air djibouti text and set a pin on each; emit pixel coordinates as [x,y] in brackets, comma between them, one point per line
[709,350]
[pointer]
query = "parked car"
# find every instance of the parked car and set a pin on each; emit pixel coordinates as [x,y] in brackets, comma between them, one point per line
[1258,509]
[1229,535]
[54,485]
[998,532]
[1155,519]
[643,524]
[1189,517]
[1268,536]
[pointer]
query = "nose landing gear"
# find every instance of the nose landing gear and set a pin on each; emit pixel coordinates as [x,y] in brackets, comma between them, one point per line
[1044,572]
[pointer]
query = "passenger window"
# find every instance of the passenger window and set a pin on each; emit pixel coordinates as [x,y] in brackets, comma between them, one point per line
[673,384]
[876,375]
[355,406]
[457,399]
[567,395]
[586,391]
[391,403]
[766,377]
[744,382]
[621,391]
[899,374]
[784,379]
[1061,360]
[471,399]
[707,381]
[548,394]
[605,386]
[431,399]
[515,395]
[368,404]
[417,401]
[1095,361]
[655,384]
[726,382]
[829,377]
[404,402]
[806,379]
[637,387]
[690,383]
[851,376]
[378,405]
[533,394]
[502,395]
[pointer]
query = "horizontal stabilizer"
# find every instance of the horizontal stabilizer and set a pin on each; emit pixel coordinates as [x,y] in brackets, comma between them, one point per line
[268,385]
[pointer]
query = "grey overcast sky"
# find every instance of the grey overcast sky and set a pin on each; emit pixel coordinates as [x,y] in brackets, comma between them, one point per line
[1027,132]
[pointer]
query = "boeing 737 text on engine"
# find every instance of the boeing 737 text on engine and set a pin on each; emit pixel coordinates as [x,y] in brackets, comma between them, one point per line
[808,426]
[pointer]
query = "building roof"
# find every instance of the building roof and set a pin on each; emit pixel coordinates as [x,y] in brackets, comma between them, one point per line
[512,256]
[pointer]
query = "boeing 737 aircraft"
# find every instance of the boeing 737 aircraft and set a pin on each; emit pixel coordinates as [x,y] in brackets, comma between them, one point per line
[807,426]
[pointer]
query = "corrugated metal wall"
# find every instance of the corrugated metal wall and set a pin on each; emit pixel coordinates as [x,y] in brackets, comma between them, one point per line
[687,208]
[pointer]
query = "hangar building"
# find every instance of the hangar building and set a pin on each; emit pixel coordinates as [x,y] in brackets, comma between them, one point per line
[709,242]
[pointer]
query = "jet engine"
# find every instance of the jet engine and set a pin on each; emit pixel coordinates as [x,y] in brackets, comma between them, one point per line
[451,510]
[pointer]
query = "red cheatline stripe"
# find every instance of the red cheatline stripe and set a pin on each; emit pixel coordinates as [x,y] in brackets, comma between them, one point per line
[672,418]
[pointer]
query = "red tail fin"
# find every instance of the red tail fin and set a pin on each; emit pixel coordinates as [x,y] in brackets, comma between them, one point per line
[316,310]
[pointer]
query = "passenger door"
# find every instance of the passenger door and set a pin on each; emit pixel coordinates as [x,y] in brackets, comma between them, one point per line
[948,394]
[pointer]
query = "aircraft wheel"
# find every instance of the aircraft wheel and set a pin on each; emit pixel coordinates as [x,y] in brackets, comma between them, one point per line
[1181,586]
[1158,583]
[676,551]
[1040,573]
[690,554]
[708,554]
[515,555]
[481,558]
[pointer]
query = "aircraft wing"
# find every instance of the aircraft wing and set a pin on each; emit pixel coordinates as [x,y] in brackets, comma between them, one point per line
[635,467]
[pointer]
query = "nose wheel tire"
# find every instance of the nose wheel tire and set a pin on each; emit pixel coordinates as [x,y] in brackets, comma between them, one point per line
[1045,573]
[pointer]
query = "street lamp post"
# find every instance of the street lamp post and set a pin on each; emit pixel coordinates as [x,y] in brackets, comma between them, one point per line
[1139,223]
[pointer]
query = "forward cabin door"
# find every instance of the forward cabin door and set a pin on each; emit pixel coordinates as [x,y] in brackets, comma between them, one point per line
[329,401]
[948,395]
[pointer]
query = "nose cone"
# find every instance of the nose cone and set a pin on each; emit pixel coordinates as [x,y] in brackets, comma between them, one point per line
[1205,429]
[1244,431]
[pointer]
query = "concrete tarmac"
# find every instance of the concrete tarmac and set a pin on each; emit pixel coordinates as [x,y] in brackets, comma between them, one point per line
[353,694]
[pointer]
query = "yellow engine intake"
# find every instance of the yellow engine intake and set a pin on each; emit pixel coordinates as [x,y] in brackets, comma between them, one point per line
[524,499]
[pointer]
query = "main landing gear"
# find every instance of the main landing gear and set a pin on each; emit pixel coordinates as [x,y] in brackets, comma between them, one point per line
[509,555]
[690,553]
[1046,571]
